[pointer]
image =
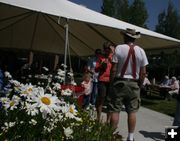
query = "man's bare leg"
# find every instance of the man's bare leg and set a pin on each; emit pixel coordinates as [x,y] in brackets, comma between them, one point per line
[114,120]
[131,125]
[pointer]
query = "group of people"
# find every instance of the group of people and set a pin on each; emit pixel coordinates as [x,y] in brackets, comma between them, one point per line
[116,76]
[169,87]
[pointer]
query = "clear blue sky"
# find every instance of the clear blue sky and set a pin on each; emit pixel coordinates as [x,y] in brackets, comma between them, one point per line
[154,7]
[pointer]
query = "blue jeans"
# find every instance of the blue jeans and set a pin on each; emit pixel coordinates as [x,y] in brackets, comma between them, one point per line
[86,101]
[177,115]
[94,93]
[1,86]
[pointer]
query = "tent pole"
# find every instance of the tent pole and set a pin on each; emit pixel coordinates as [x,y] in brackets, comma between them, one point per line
[56,62]
[31,55]
[65,50]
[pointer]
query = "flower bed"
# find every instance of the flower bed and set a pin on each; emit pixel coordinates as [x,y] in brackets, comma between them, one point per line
[33,113]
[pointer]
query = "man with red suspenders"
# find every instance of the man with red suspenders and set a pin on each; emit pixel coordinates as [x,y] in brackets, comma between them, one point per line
[128,67]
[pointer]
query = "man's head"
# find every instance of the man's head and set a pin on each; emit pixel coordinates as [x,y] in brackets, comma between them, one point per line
[173,78]
[130,35]
[108,47]
[98,52]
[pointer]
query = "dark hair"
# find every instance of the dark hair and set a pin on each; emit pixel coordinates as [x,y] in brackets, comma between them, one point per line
[98,51]
[106,45]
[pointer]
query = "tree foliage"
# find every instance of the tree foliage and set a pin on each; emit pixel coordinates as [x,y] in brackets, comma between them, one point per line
[108,8]
[121,10]
[138,13]
[135,13]
[169,22]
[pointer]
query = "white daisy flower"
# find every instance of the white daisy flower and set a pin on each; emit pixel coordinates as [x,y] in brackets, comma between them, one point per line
[15,82]
[56,86]
[68,132]
[50,75]
[8,125]
[39,83]
[66,92]
[31,109]
[7,74]
[70,74]
[63,65]
[4,99]
[61,73]
[33,122]
[70,111]
[26,90]
[12,104]
[45,68]
[47,103]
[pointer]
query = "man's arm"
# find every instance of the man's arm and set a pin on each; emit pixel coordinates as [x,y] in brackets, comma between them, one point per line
[142,75]
[113,72]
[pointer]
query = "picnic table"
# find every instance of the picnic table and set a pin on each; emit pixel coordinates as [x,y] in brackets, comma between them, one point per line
[161,90]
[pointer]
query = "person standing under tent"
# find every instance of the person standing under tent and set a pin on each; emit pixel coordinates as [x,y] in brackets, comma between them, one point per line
[103,67]
[91,68]
[128,67]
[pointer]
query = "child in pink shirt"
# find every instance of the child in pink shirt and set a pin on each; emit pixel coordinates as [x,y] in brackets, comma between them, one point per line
[87,84]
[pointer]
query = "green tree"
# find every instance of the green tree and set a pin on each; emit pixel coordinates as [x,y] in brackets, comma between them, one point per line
[108,8]
[138,13]
[169,22]
[116,8]
[161,22]
[120,9]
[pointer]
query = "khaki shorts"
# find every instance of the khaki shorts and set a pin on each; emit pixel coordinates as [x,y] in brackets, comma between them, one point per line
[124,93]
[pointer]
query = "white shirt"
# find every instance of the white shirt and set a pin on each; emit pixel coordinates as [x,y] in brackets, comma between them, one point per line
[120,55]
[92,66]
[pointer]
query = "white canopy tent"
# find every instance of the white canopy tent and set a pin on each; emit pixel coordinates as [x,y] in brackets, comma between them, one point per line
[38,25]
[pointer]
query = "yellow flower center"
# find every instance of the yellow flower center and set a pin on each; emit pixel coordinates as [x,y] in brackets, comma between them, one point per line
[12,103]
[71,109]
[30,89]
[25,92]
[46,100]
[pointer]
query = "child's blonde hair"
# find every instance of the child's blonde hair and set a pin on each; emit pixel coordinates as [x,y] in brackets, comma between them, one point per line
[86,76]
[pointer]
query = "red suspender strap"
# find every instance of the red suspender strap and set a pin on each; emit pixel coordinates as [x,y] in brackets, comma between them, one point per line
[133,63]
[124,68]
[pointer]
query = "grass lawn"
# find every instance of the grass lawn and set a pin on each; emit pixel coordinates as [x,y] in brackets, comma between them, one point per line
[156,103]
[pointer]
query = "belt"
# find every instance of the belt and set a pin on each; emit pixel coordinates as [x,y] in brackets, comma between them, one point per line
[126,79]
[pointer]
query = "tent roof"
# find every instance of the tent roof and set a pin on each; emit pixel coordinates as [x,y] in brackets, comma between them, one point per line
[36,25]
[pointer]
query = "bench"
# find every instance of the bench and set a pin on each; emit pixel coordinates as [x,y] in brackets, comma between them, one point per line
[154,89]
